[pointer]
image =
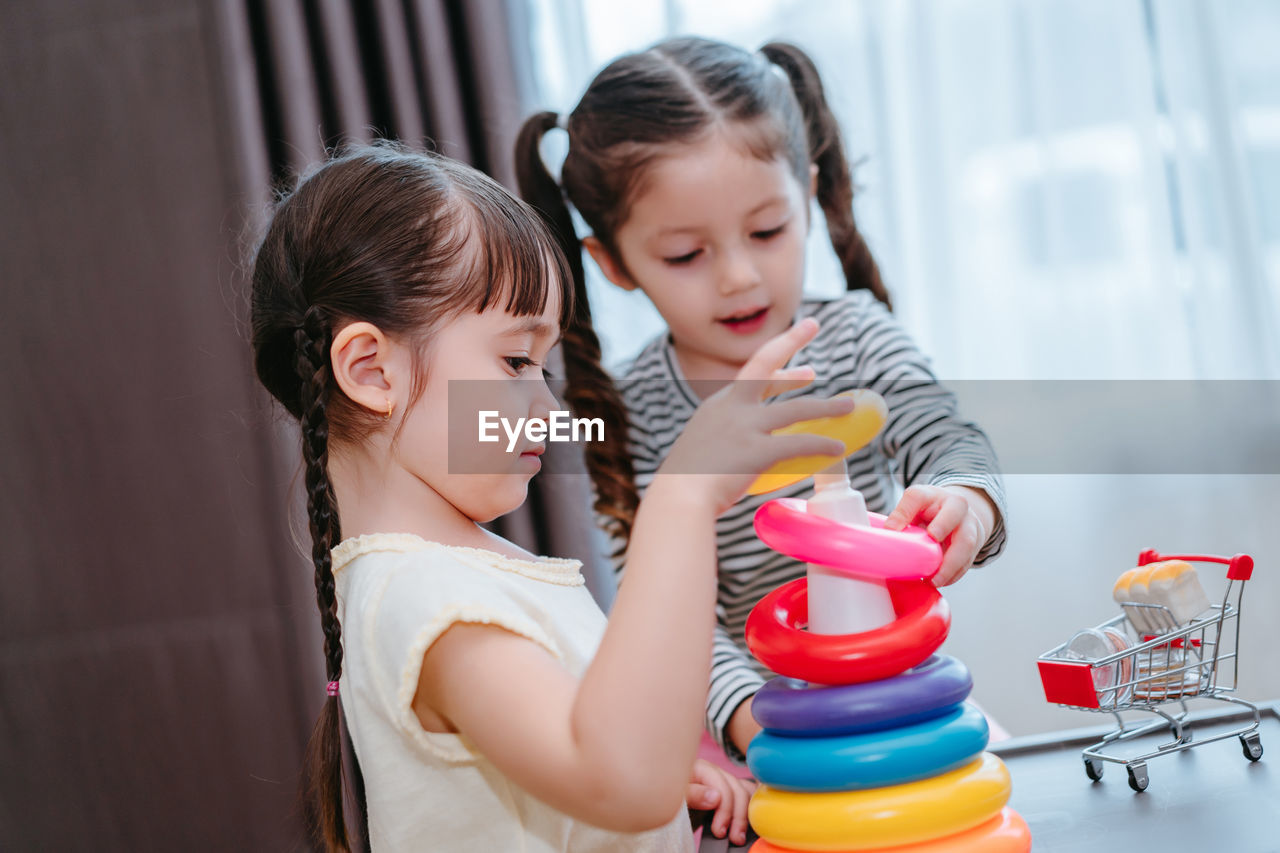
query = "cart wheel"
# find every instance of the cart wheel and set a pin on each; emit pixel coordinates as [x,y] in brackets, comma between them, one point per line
[1093,769]
[1251,744]
[1138,776]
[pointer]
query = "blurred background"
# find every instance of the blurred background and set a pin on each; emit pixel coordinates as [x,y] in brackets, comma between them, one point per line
[1055,190]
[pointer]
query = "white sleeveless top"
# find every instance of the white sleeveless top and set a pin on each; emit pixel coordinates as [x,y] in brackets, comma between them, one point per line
[397,593]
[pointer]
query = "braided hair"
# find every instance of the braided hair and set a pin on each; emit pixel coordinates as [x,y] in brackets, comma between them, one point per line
[633,112]
[405,241]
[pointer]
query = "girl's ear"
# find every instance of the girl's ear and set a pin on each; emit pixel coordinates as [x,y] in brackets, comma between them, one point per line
[813,180]
[366,367]
[608,264]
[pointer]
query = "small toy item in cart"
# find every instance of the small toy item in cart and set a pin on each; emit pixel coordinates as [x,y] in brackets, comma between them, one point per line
[1169,644]
[1161,595]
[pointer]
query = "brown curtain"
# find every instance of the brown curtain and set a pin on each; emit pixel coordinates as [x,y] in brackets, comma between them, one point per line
[160,660]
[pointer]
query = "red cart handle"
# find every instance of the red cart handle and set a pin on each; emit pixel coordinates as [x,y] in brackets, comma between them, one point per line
[1239,567]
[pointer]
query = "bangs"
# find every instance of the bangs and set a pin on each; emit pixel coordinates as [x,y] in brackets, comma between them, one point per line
[515,262]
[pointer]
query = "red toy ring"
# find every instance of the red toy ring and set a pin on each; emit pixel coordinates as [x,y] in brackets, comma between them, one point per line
[777,639]
[871,553]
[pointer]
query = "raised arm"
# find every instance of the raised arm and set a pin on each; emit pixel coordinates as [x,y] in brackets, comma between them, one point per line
[925,433]
[615,748]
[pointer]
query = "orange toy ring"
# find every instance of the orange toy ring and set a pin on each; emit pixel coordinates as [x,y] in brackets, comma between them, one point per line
[1007,832]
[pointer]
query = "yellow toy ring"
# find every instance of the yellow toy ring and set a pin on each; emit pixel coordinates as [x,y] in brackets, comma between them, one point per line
[855,430]
[1007,832]
[883,817]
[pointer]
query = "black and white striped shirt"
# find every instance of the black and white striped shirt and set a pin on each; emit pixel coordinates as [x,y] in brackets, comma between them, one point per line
[860,345]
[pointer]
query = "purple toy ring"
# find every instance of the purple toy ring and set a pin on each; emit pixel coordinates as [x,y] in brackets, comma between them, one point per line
[790,707]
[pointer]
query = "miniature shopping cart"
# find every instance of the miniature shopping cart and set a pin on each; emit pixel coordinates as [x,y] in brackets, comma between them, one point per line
[1163,665]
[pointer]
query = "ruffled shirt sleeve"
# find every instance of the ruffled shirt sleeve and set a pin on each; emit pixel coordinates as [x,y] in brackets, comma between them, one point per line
[410,600]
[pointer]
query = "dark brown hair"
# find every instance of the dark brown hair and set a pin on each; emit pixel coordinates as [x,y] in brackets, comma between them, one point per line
[405,241]
[635,110]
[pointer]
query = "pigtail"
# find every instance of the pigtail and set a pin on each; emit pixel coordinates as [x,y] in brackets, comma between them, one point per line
[835,181]
[539,189]
[322,771]
[589,390]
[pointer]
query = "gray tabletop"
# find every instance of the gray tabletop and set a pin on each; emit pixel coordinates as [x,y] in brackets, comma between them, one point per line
[1208,798]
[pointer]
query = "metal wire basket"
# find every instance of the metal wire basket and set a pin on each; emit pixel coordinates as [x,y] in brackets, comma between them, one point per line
[1165,664]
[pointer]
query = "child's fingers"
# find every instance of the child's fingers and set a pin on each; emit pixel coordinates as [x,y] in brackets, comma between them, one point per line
[960,550]
[778,415]
[780,447]
[954,565]
[914,500]
[788,379]
[741,800]
[950,512]
[701,796]
[954,561]
[776,352]
[710,788]
[722,820]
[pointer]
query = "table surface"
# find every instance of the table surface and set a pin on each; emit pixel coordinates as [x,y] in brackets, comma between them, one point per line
[1208,798]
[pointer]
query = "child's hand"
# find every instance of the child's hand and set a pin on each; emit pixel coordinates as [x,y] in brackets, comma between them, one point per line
[730,435]
[712,788]
[959,517]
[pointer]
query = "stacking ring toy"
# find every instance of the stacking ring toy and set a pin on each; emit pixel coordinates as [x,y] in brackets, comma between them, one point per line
[776,639]
[936,687]
[871,553]
[1007,832]
[883,817]
[871,759]
[855,430]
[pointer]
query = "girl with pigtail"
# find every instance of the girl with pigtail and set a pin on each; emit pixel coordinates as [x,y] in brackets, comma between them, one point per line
[489,706]
[693,163]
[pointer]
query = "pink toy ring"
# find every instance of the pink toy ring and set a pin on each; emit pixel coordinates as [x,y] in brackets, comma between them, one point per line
[776,638]
[870,553]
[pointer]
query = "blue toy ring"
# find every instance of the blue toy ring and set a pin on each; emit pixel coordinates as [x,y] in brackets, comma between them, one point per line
[934,688]
[872,759]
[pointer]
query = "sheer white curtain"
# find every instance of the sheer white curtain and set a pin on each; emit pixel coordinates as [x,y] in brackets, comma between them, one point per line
[1055,189]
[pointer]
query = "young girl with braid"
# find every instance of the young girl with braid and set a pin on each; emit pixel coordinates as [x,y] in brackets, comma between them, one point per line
[693,163]
[489,706]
